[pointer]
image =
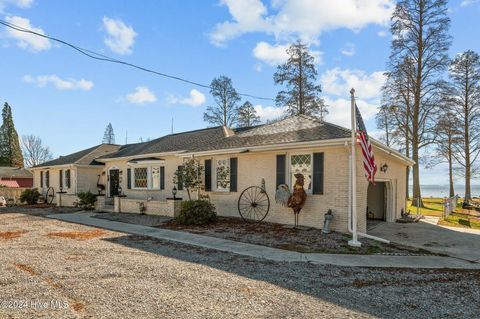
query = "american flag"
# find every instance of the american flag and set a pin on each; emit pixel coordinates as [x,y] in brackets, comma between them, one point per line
[367,151]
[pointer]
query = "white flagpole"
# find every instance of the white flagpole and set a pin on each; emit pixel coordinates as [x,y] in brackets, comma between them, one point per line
[353,169]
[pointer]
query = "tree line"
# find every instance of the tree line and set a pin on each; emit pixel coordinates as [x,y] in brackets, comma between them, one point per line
[431,102]
[300,93]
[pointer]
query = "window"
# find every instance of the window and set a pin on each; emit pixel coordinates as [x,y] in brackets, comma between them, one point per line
[149,177]
[67,179]
[156,177]
[47,179]
[140,177]
[222,174]
[41,179]
[301,163]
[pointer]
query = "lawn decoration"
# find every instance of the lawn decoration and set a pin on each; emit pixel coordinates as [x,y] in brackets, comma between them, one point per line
[295,201]
[253,204]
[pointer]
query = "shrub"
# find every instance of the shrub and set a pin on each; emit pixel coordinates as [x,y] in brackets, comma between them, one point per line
[196,212]
[87,200]
[30,196]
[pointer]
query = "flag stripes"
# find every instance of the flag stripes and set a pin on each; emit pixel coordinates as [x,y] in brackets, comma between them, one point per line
[362,138]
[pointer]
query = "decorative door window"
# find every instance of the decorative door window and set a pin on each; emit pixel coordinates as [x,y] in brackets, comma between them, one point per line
[156,177]
[140,177]
[223,174]
[301,163]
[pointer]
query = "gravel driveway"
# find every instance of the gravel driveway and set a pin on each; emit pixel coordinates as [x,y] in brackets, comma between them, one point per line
[60,270]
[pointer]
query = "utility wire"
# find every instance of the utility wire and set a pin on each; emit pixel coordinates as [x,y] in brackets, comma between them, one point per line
[105,58]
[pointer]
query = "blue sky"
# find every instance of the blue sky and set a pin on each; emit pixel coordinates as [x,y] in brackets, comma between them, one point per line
[68,99]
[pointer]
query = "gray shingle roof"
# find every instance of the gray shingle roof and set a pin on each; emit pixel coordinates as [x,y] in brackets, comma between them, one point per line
[84,157]
[299,128]
[170,143]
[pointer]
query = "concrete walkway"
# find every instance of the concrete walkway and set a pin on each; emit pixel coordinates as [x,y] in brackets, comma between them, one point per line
[85,218]
[463,243]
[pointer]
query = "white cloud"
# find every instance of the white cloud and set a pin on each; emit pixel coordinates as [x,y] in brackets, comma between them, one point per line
[60,84]
[466,3]
[348,49]
[196,98]
[120,38]
[268,113]
[277,54]
[339,110]
[26,40]
[382,33]
[141,96]
[19,3]
[304,19]
[339,82]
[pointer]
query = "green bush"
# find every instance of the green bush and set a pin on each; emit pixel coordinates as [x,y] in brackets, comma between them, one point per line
[87,200]
[196,212]
[30,196]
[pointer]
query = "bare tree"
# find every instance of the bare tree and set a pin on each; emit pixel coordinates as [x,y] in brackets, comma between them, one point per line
[420,35]
[302,95]
[247,115]
[225,110]
[34,152]
[448,138]
[464,96]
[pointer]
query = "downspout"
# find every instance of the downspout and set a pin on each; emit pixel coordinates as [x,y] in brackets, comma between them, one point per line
[350,230]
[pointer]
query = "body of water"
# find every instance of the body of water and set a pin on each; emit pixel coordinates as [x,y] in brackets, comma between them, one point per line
[443,190]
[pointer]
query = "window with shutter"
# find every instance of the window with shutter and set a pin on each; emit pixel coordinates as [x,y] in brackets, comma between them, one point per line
[318,168]
[233,174]
[208,175]
[281,167]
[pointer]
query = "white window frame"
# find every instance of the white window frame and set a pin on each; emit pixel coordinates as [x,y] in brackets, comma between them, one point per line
[65,184]
[214,179]
[149,176]
[289,170]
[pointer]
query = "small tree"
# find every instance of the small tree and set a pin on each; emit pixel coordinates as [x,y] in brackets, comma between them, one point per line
[34,151]
[247,115]
[10,151]
[302,95]
[225,110]
[190,176]
[109,135]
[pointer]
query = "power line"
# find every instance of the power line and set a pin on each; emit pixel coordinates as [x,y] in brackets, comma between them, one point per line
[105,58]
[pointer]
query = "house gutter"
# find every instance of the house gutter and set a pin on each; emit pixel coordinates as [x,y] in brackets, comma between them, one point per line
[350,228]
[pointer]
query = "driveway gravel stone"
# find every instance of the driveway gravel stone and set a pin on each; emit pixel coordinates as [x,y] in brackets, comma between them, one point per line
[115,275]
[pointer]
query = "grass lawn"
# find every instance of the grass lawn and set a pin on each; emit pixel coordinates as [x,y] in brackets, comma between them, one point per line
[434,207]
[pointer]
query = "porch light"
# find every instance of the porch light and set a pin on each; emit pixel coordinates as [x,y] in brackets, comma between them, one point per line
[384,168]
[174,192]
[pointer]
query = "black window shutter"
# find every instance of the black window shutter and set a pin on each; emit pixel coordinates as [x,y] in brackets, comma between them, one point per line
[60,178]
[47,179]
[162,177]
[208,175]
[41,179]
[317,173]
[129,178]
[281,168]
[180,180]
[233,174]
[67,175]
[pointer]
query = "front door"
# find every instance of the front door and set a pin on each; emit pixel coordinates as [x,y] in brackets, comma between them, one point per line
[114,182]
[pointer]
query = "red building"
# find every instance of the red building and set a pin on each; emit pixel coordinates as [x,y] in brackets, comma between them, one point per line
[15,177]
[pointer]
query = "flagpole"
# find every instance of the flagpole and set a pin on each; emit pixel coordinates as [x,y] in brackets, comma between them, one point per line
[353,169]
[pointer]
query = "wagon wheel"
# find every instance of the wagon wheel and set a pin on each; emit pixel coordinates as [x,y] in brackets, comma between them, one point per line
[253,204]
[50,195]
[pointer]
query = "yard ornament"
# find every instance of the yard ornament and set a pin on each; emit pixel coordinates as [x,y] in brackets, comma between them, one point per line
[295,201]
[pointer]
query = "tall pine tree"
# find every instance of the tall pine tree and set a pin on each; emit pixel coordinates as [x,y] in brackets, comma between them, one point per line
[298,74]
[109,135]
[10,151]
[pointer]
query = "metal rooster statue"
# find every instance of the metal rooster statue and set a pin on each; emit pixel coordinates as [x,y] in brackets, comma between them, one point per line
[295,201]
